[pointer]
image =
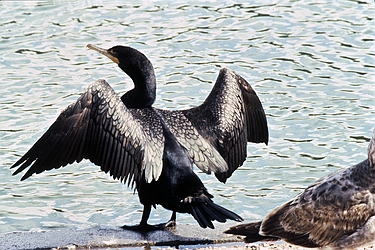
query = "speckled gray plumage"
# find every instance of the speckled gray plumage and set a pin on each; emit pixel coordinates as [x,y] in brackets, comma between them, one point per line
[337,211]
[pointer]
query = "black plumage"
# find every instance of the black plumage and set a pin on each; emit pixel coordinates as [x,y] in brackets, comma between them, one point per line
[126,136]
[337,211]
[179,189]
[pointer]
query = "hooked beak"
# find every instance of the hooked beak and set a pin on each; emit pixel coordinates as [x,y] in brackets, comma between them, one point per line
[105,52]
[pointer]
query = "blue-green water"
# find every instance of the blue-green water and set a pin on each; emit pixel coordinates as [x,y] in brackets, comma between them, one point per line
[312,64]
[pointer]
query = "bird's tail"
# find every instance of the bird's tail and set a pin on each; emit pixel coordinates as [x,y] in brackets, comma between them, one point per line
[204,212]
[251,231]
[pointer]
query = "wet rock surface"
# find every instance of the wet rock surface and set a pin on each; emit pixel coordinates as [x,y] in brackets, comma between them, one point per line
[108,237]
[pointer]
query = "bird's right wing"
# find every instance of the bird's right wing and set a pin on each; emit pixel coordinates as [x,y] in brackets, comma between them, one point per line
[98,127]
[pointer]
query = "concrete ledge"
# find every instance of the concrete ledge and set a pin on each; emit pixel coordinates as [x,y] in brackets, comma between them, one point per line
[110,237]
[185,236]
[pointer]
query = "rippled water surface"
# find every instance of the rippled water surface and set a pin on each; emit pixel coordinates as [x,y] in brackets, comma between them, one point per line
[311,63]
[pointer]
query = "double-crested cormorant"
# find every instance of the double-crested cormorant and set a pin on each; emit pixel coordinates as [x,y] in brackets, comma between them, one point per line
[338,211]
[126,137]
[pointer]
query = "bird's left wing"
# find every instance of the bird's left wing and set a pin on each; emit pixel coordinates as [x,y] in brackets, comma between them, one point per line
[98,127]
[231,116]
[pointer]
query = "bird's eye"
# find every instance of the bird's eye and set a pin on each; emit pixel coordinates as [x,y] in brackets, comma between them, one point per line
[112,52]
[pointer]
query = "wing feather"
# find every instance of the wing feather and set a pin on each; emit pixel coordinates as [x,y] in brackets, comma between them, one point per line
[231,116]
[98,127]
[203,153]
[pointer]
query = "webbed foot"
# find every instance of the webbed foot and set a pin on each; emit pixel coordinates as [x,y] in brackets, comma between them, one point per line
[171,223]
[143,228]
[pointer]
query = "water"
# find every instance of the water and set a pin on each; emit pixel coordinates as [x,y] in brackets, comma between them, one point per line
[311,63]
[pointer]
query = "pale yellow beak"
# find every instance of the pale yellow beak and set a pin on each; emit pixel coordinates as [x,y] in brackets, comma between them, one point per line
[104,52]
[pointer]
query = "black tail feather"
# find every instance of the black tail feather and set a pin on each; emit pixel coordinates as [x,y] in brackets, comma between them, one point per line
[206,212]
[251,231]
[227,213]
[216,216]
[202,217]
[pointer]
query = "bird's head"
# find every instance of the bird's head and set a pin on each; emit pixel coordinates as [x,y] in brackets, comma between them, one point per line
[137,66]
[130,60]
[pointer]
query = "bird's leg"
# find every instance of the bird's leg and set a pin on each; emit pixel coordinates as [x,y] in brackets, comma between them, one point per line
[143,226]
[172,220]
[170,223]
[145,215]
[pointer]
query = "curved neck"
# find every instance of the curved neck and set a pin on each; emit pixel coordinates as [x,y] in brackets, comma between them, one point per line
[144,93]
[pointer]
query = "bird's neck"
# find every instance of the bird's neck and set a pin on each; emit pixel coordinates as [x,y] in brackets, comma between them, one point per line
[144,93]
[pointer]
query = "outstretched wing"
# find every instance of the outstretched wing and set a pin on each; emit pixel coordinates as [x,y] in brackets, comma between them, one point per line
[231,116]
[98,127]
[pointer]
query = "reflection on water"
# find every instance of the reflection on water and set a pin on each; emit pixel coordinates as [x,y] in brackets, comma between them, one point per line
[311,63]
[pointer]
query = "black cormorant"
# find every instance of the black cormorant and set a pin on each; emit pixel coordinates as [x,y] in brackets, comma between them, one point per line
[179,189]
[125,136]
[337,211]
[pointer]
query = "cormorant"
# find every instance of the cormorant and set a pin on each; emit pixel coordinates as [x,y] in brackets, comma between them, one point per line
[179,189]
[125,137]
[337,211]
